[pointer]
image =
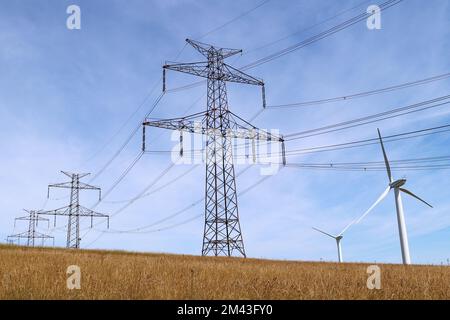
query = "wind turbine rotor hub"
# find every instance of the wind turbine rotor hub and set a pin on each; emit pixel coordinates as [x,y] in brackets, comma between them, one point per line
[397,183]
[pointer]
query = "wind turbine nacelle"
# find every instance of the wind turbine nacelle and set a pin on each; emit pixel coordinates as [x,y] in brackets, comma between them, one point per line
[398,183]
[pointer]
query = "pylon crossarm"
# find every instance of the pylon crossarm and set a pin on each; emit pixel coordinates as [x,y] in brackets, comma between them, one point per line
[23,218]
[196,68]
[249,131]
[88,213]
[197,115]
[82,185]
[56,212]
[242,132]
[19,235]
[37,218]
[39,235]
[235,75]
[67,185]
[79,175]
[190,123]
[183,125]
[237,130]
[85,212]
[25,235]
[206,49]
[228,73]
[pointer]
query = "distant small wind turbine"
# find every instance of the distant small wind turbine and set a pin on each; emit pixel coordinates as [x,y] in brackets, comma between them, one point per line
[338,242]
[339,236]
[397,186]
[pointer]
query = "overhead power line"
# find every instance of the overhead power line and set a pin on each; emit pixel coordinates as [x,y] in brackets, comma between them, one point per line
[139,196]
[186,87]
[260,181]
[178,212]
[171,215]
[304,43]
[232,20]
[371,141]
[165,185]
[350,97]
[134,113]
[344,25]
[340,13]
[131,201]
[344,145]
[347,145]
[393,113]
[373,168]
[378,163]
[102,232]
[423,163]
[133,163]
[361,94]
[121,177]
[133,132]
[127,141]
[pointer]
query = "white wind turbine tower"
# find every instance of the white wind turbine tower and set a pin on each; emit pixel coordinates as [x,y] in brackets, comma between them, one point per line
[396,185]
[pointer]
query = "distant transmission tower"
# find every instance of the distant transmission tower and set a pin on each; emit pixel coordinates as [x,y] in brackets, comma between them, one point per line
[74,210]
[222,231]
[31,235]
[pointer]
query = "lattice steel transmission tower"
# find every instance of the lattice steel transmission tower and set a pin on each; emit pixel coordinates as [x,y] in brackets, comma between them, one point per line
[222,231]
[31,235]
[74,210]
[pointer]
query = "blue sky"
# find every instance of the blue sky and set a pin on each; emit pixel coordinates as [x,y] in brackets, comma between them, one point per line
[66,93]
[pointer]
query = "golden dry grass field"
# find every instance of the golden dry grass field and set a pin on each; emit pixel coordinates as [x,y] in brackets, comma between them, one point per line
[40,273]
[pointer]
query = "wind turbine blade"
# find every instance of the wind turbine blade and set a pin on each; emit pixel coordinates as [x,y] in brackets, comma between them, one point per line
[330,235]
[383,195]
[413,195]
[386,161]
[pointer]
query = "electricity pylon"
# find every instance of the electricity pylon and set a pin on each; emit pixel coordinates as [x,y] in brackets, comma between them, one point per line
[74,210]
[222,231]
[31,235]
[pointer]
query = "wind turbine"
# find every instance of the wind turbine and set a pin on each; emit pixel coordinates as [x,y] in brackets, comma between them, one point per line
[396,185]
[338,241]
[339,236]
